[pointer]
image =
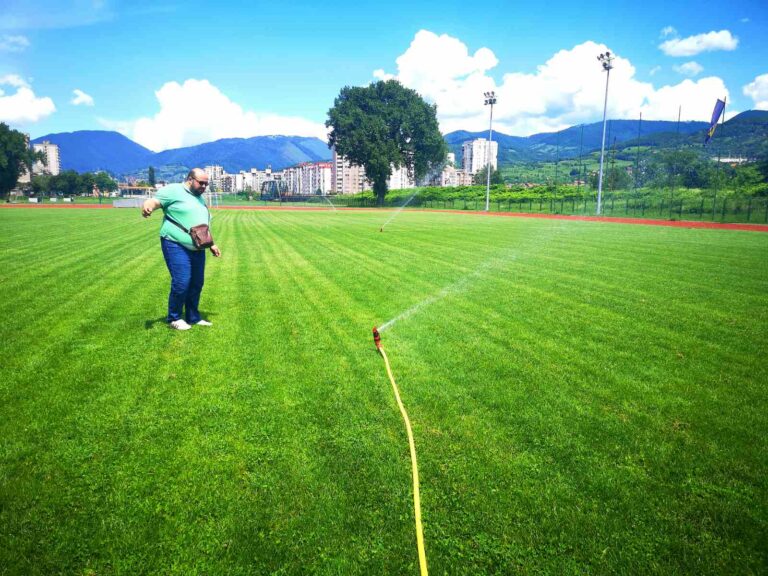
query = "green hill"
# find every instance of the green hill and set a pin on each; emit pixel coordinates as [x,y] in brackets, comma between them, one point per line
[741,136]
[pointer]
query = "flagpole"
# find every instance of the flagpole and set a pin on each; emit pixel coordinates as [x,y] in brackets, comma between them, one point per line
[637,156]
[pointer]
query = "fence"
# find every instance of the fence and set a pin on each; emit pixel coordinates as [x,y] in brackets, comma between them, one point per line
[672,206]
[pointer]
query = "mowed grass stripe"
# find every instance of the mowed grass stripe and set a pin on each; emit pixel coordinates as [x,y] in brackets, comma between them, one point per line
[64,237]
[316,394]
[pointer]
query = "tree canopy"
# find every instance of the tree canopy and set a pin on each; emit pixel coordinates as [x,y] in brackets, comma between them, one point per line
[384,126]
[481,177]
[70,183]
[15,158]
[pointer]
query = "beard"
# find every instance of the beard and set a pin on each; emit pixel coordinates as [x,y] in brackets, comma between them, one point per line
[198,192]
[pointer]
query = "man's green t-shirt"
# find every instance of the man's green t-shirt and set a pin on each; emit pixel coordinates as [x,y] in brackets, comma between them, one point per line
[184,207]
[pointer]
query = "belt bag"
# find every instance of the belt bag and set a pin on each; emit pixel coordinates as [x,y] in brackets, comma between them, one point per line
[200,234]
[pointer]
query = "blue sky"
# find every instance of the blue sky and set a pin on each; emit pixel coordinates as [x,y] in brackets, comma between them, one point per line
[175,74]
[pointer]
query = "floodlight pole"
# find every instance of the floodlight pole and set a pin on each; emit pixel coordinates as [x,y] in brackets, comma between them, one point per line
[606,60]
[490,99]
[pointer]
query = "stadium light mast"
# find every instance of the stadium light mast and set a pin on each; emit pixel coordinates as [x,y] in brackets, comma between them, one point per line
[490,99]
[605,60]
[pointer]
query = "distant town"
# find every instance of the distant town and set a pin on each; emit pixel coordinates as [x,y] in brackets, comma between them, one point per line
[338,176]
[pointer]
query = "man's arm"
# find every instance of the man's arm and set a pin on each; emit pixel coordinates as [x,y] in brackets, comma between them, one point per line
[150,204]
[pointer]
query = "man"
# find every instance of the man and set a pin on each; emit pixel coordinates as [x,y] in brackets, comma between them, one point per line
[183,207]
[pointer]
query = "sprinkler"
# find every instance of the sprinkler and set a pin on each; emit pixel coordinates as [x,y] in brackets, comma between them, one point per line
[377,338]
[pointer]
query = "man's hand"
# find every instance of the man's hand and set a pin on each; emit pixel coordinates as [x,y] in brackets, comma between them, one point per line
[149,205]
[215,251]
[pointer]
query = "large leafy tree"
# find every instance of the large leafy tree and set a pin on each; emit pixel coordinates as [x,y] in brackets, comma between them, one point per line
[15,158]
[384,126]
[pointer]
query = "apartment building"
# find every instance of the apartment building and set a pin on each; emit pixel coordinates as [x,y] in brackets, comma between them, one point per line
[309,178]
[477,154]
[52,164]
[214,174]
[400,179]
[346,178]
[320,178]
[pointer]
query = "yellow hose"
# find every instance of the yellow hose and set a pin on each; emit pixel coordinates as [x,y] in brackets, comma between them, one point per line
[415,468]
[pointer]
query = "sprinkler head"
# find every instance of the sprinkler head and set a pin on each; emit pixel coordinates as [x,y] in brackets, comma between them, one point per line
[377,338]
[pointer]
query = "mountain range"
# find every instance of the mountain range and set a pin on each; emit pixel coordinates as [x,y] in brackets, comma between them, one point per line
[93,150]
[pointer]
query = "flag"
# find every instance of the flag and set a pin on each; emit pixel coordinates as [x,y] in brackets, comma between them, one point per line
[719,107]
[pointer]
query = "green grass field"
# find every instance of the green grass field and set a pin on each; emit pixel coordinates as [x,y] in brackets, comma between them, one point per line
[586,398]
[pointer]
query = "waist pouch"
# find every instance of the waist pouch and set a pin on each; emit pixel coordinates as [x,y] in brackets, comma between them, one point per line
[200,234]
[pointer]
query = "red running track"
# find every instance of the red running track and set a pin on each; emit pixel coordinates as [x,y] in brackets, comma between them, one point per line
[603,219]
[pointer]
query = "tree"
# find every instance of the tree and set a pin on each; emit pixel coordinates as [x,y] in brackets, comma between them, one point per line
[15,158]
[41,184]
[481,177]
[67,183]
[384,126]
[762,161]
[104,182]
[151,176]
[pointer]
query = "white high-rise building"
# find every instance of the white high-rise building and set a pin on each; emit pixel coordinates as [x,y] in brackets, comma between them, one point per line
[476,155]
[400,179]
[214,174]
[52,165]
[320,178]
[346,178]
[309,178]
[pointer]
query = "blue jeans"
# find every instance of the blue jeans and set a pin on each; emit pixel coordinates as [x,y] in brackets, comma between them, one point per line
[187,268]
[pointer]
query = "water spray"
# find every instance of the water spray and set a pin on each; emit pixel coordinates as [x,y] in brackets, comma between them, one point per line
[329,202]
[400,209]
[414,466]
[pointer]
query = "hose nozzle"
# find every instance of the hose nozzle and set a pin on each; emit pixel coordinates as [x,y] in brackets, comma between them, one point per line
[377,338]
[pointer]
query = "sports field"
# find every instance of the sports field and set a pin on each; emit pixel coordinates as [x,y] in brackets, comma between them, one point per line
[586,398]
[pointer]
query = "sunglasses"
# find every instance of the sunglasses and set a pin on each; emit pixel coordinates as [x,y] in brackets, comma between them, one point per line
[203,184]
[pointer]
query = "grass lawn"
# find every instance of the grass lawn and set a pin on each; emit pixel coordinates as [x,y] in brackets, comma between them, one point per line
[586,398]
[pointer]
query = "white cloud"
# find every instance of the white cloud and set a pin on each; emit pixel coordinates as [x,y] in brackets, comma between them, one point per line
[13,43]
[654,70]
[566,90]
[709,42]
[81,98]
[744,20]
[22,107]
[758,91]
[689,69]
[668,31]
[197,111]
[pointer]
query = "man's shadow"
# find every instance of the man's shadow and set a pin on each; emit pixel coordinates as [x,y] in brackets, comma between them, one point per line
[149,324]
